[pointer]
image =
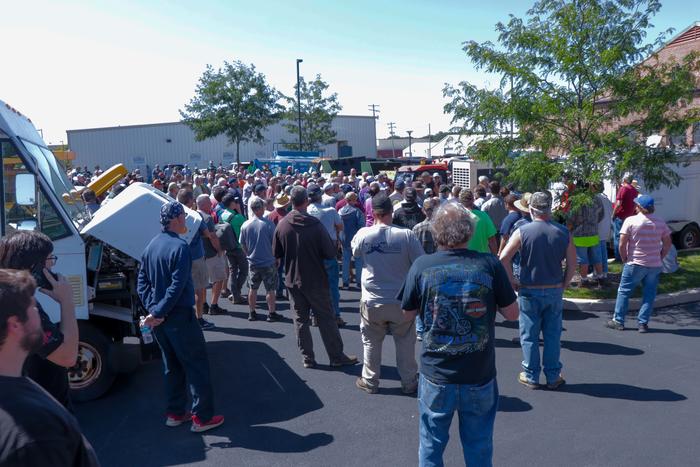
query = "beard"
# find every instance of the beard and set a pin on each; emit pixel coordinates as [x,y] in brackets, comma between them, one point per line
[32,340]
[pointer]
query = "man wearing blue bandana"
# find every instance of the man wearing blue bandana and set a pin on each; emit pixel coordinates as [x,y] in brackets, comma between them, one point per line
[166,291]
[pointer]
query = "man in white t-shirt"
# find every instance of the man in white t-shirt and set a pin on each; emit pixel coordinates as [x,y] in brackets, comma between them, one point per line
[387,253]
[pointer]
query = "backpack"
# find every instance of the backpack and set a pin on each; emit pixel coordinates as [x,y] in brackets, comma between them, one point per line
[227,237]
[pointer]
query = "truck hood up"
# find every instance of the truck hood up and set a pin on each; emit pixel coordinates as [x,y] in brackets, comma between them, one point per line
[129,221]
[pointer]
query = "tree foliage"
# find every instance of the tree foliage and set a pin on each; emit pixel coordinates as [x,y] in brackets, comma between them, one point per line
[234,100]
[580,80]
[318,109]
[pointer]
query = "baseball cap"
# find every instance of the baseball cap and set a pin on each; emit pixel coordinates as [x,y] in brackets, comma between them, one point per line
[400,185]
[541,201]
[258,187]
[328,186]
[445,189]
[381,204]
[644,201]
[313,190]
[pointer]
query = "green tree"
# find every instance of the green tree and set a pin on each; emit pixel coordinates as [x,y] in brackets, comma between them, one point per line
[318,109]
[578,79]
[234,100]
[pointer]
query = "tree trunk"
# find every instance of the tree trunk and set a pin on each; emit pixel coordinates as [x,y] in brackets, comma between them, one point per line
[238,155]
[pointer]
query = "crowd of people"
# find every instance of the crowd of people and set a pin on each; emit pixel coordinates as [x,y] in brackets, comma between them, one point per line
[434,262]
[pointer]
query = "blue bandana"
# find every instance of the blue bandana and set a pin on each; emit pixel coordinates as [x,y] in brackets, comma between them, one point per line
[169,211]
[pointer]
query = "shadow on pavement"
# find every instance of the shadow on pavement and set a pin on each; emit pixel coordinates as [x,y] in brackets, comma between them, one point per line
[512,404]
[571,315]
[678,332]
[248,332]
[253,386]
[623,392]
[600,348]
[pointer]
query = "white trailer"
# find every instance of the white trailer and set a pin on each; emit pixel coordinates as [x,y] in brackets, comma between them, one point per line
[678,206]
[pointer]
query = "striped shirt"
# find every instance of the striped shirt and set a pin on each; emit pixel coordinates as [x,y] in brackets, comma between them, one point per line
[644,234]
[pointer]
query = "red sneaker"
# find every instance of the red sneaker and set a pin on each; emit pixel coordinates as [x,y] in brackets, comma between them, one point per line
[177,420]
[199,426]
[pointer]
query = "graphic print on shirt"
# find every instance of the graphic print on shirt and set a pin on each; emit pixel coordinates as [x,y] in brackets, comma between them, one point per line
[456,317]
[380,245]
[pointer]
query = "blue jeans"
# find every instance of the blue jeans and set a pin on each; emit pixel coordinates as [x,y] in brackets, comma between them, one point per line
[476,409]
[617,225]
[347,258]
[540,311]
[280,279]
[632,275]
[186,363]
[331,266]
[604,255]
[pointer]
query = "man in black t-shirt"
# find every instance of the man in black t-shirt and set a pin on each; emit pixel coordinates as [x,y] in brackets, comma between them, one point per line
[457,292]
[35,430]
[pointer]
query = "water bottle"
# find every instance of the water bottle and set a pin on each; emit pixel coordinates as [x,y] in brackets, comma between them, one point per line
[146,332]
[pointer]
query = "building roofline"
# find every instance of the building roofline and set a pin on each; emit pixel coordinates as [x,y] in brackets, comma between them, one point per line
[146,125]
[676,36]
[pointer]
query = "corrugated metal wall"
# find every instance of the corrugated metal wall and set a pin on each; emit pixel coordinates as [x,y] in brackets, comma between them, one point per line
[173,143]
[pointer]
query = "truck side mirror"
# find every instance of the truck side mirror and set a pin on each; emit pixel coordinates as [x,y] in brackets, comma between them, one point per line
[25,189]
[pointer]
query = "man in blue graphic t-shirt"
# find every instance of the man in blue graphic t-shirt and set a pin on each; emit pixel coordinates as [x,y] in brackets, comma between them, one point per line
[457,292]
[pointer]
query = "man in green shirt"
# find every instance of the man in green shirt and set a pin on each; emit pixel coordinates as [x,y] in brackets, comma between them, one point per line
[484,238]
[237,261]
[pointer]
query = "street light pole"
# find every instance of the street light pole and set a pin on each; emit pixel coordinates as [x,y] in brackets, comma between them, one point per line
[299,60]
[410,152]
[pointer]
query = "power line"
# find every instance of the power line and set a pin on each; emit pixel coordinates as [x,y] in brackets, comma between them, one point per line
[375,110]
[392,126]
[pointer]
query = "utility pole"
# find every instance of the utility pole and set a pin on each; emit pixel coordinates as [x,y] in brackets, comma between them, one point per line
[391,126]
[375,110]
[430,141]
[299,60]
[410,152]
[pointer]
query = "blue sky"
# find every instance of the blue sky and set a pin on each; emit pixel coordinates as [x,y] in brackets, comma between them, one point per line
[73,64]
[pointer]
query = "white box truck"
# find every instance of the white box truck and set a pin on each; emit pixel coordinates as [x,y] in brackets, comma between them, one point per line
[98,255]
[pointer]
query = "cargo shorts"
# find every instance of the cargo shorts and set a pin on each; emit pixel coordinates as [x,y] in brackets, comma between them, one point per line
[266,275]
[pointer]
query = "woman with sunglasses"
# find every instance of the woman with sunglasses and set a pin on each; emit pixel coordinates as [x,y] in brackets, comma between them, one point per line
[33,252]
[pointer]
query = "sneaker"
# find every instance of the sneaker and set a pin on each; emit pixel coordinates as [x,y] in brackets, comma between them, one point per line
[215,309]
[272,317]
[408,390]
[226,293]
[361,383]
[177,420]
[612,324]
[309,363]
[341,322]
[419,337]
[206,324]
[345,286]
[523,379]
[199,426]
[556,384]
[643,328]
[252,316]
[345,360]
[205,308]
[314,322]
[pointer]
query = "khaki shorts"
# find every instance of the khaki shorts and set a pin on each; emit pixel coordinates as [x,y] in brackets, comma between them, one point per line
[267,276]
[216,267]
[200,277]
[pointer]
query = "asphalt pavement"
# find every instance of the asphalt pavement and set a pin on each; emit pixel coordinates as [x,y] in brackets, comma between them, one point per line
[630,400]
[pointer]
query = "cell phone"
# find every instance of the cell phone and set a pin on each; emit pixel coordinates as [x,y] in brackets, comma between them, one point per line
[41,281]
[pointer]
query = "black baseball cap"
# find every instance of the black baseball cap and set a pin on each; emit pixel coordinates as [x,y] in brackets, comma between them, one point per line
[381,204]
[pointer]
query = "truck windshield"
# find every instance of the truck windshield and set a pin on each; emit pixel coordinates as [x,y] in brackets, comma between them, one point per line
[57,178]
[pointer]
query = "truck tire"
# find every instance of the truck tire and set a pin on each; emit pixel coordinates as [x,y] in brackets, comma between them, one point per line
[92,375]
[689,237]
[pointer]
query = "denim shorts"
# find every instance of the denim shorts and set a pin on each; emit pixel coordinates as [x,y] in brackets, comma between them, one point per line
[588,254]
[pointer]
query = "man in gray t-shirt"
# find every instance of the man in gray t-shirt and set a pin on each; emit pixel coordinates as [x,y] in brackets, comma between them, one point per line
[387,253]
[256,240]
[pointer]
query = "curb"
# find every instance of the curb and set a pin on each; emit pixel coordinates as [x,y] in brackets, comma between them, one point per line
[608,304]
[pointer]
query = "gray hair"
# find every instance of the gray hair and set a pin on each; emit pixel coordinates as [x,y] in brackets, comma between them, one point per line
[202,199]
[540,213]
[453,225]
[257,204]
[429,206]
[298,195]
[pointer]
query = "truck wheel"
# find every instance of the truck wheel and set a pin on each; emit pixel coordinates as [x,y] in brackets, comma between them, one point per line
[689,237]
[92,375]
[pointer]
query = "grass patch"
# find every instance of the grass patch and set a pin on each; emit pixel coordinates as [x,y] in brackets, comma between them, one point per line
[687,277]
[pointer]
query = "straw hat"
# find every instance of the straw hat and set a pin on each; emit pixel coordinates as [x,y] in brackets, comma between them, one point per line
[523,203]
[281,201]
